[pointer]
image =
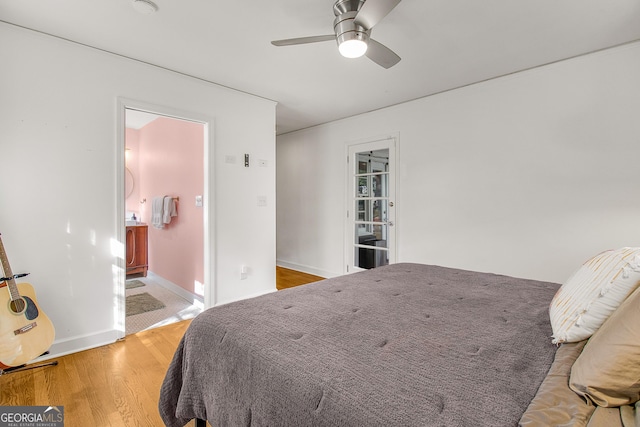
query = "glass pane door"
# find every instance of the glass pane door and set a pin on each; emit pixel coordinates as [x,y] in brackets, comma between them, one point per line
[370,222]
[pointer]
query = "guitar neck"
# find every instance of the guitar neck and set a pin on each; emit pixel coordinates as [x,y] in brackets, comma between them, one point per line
[6,268]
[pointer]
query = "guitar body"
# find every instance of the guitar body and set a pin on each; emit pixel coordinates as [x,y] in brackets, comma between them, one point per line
[26,334]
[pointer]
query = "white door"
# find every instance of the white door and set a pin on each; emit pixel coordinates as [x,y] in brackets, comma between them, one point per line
[370,228]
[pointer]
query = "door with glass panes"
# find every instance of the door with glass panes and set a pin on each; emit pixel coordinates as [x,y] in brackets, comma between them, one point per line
[371,212]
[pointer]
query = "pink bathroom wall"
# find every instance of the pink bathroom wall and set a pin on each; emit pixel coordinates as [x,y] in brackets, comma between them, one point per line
[171,163]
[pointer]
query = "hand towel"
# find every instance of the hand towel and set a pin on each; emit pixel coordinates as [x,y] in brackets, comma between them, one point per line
[169,209]
[156,212]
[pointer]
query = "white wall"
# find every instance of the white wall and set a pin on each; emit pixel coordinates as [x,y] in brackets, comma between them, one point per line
[58,148]
[526,175]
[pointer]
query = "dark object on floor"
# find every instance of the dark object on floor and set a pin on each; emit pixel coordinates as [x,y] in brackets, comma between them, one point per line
[134,283]
[142,303]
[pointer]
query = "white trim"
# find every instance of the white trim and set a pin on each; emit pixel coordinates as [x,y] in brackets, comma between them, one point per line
[119,251]
[176,289]
[210,297]
[392,142]
[79,343]
[307,269]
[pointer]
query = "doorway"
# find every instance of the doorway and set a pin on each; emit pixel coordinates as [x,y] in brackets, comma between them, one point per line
[176,277]
[370,226]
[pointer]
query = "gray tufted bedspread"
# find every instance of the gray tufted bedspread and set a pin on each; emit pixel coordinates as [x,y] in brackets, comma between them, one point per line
[402,345]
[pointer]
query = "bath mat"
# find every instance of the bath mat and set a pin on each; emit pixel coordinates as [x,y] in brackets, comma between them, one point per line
[133,283]
[142,303]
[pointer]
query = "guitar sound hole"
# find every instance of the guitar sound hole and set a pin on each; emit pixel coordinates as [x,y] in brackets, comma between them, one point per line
[18,306]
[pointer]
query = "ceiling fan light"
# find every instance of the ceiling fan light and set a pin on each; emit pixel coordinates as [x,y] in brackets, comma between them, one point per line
[353,48]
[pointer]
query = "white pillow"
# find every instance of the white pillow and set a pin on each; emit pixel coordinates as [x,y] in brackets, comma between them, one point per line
[588,298]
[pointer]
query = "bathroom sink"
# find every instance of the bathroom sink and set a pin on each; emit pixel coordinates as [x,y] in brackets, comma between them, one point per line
[131,222]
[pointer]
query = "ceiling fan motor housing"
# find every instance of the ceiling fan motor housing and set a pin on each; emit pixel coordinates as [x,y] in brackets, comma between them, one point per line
[346,29]
[342,6]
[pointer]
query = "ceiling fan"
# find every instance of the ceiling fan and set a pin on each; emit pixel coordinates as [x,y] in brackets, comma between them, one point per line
[352,26]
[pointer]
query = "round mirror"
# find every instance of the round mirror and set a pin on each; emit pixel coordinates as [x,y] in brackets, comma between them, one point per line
[128,182]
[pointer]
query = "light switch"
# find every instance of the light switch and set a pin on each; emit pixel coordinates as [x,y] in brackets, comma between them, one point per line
[198,201]
[262,200]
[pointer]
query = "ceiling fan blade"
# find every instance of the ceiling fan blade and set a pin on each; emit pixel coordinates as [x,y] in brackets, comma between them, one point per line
[372,12]
[303,40]
[381,55]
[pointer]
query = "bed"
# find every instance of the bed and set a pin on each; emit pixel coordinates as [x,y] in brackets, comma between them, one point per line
[400,345]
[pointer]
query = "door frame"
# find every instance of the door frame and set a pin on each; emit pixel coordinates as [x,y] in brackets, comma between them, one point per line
[118,247]
[390,142]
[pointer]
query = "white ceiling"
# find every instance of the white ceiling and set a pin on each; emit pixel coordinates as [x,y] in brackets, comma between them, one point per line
[443,44]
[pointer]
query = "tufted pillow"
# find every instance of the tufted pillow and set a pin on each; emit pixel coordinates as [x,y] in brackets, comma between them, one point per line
[588,298]
[608,369]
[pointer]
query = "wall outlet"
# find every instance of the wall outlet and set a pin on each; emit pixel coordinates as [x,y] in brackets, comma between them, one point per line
[262,201]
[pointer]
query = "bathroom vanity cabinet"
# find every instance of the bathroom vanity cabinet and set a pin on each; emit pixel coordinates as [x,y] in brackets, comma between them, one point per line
[137,254]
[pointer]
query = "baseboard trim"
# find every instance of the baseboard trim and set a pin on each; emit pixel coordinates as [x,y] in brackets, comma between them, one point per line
[306,269]
[179,290]
[79,343]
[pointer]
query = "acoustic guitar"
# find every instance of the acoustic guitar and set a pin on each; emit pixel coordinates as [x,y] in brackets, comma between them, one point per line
[25,331]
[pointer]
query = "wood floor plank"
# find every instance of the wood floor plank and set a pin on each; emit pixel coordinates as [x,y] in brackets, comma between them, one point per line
[287,278]
[16,389]
[95,370]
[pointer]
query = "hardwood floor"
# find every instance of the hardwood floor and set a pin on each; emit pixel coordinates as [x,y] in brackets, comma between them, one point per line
[286,278]
[114,385]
